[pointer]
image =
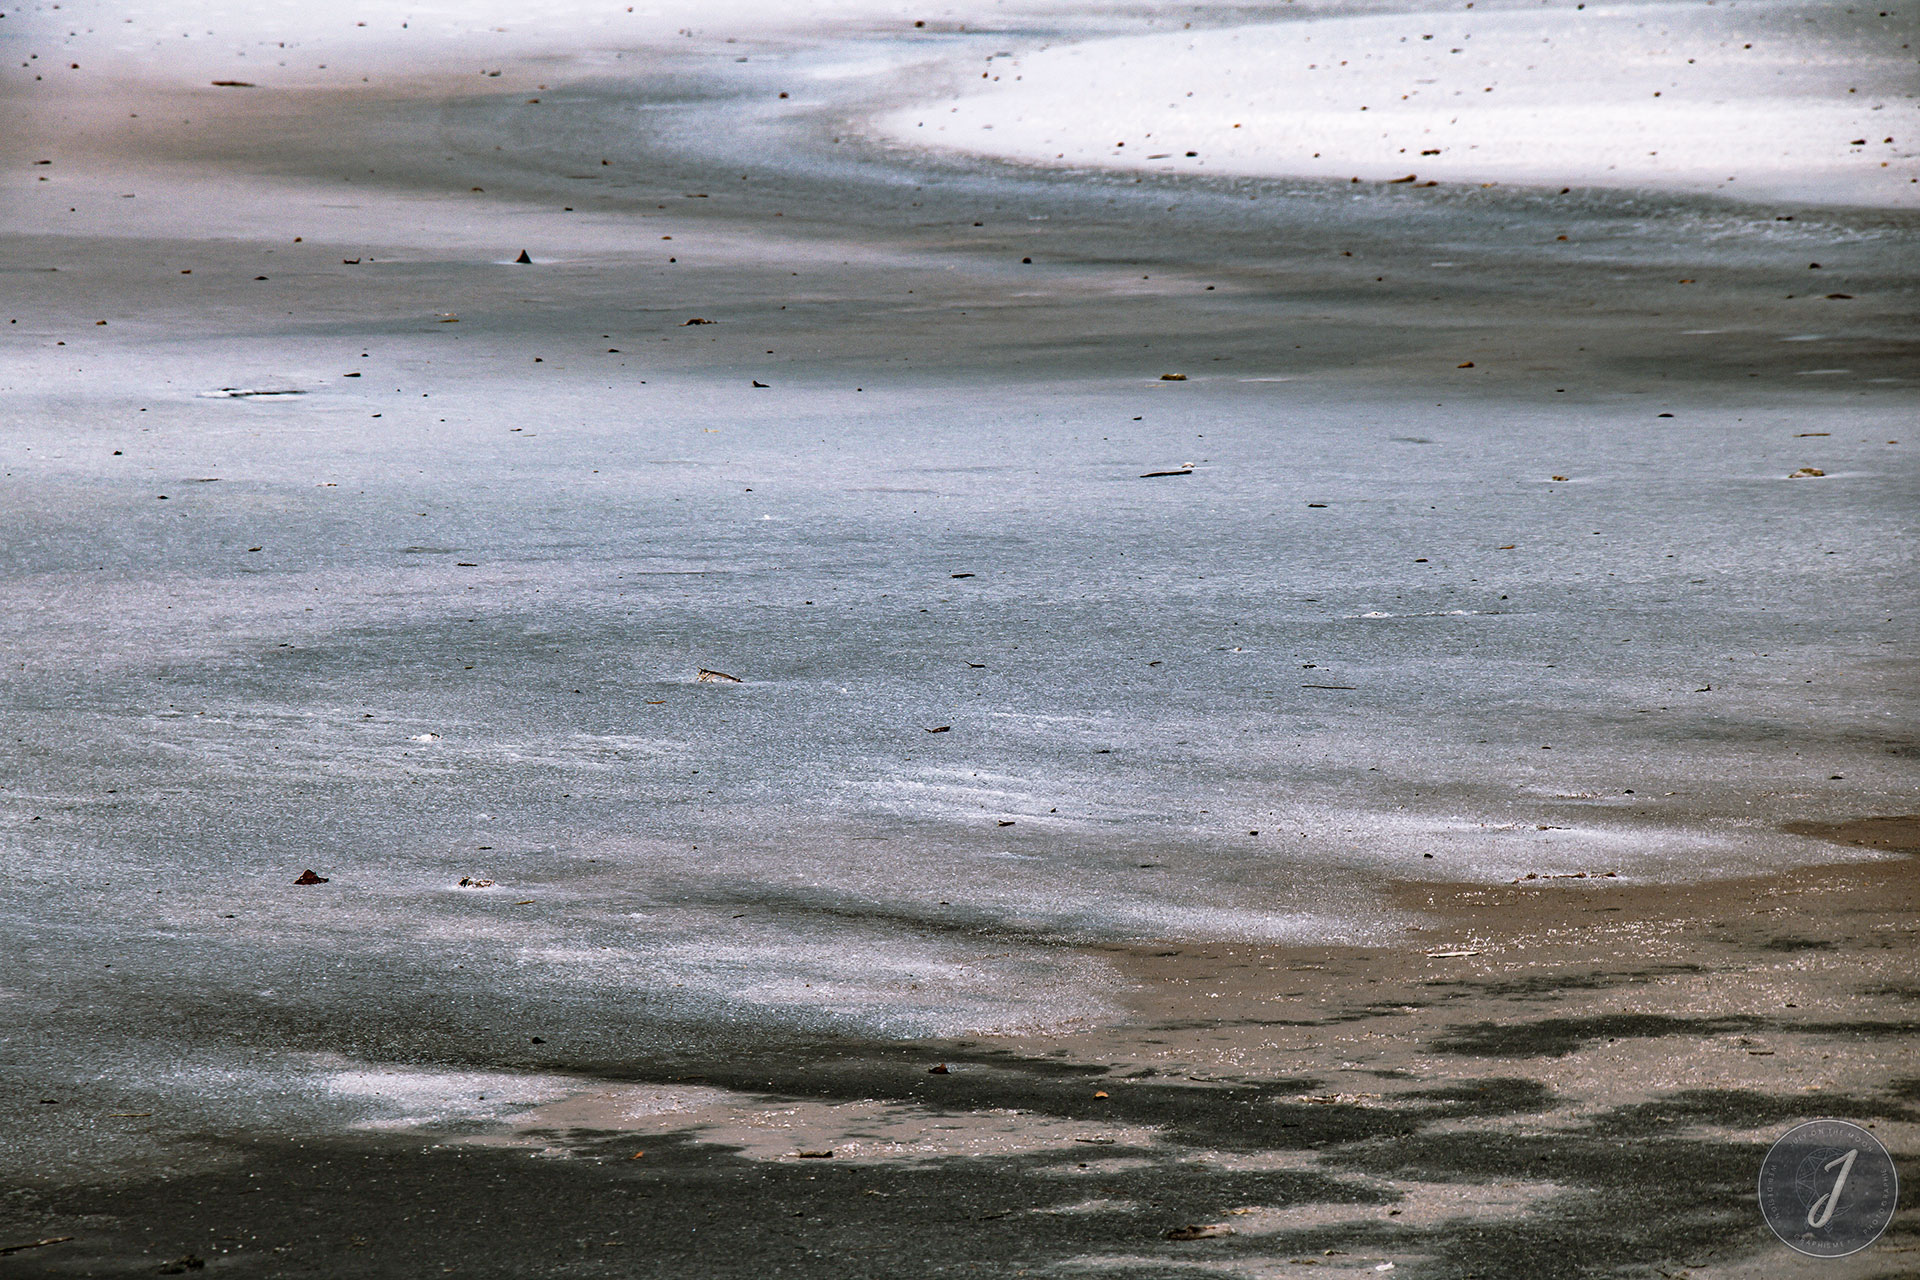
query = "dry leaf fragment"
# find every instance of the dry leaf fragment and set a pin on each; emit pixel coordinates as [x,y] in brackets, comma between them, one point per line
[33,1244]
[716,677]
[1173,377]
[307,877]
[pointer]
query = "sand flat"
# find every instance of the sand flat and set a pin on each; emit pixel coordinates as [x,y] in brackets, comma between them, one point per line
[1765,102]
[1289,728]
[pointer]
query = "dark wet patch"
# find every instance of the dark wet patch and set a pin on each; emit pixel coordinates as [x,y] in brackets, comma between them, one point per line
[1556,1037]
[1485,1097]
[1621,1215]
[1797,944]
[389,1207]
[1861,1029]
[1896,833]
[1740,1109]
[1546,985]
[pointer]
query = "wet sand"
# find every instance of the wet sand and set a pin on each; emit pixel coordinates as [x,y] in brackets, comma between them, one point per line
[1527,1086]
[1475,553]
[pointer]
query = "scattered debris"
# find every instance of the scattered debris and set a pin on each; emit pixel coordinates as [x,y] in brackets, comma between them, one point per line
[1561,479]
[959,575]
[234,84]
[307,877]
[1394,182]
[696,320]
[1567,875]
[1464,364]
[1806,471]
[716,677]
[1173,377]
[762,385]
[470,882]
[1180,471]
[524,260]
[32,1244]
[184,1263]
[249,393]
[945,728]
[1450,955]
[826,1154]
[1198,1231]
[938,1069]
[424,737]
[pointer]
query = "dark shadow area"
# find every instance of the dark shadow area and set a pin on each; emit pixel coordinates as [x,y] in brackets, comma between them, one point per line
[1556,1037]
[666,1205]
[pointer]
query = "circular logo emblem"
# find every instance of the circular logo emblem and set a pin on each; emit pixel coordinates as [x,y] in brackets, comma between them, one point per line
[1828,1188]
